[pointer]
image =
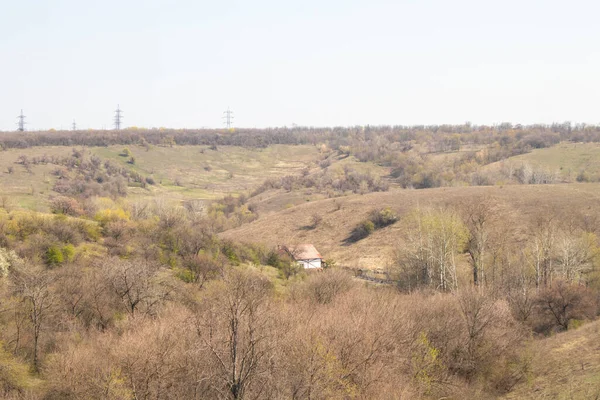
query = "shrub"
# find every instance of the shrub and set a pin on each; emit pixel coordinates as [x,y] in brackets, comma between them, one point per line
[201,268]
[68,252]
[364,229]
[284,263]
[103,217]
[584,176]
[287,270]
[560,304]
[383,217]
[54,256]
[229,251]
[325,287]
[66,205]
[315,220]
[8,259]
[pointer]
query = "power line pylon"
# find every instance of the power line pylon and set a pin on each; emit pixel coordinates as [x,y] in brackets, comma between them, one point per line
[21,123]
[118,118]
[228,118]
[74,126]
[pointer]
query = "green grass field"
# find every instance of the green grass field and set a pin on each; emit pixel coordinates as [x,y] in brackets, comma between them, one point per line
[567,158]
[181,172]
[184,172]
[24,189]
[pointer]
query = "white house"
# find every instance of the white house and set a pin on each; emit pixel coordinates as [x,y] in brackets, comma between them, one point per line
[305,255]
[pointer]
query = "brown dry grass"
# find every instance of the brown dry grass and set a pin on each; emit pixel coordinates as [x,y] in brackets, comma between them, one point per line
[518,204]
[565,366]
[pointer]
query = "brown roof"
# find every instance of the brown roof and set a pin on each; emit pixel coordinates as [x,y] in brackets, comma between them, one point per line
[304,252]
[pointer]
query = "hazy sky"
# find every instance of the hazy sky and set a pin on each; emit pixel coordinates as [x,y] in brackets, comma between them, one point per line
[181,63]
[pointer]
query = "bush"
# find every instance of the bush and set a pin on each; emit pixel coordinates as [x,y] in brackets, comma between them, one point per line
[315,220]
[557,306]
[66,205]
[364,229]
[54,256]
[201,268]
[377,220]
[584,176]
[325,287]
[383,217]
[68,252]
[8,260]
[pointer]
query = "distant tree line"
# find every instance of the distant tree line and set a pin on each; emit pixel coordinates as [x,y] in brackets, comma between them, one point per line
[440,137]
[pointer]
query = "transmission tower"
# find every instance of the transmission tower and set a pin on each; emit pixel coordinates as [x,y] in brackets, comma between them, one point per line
[74,126]
[228,118]
[21,123]
[118,117]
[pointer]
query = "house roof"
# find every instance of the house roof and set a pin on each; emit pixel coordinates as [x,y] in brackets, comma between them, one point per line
[304,252]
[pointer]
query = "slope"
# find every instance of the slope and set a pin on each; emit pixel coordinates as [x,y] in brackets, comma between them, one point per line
[339,216]
[565,366]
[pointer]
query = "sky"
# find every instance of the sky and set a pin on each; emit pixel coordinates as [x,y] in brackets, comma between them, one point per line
[181,63]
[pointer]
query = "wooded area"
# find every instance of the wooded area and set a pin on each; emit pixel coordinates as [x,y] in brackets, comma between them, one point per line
[111,297]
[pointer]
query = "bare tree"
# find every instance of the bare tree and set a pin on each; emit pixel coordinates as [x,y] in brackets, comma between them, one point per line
[136,284]
[33,287]
[562,302]
[235,327]
[543,247]
[434,239]
[478,215]
[575,255]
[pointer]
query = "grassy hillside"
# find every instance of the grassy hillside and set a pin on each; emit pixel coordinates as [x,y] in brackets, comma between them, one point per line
[181,172]
[566,159]
[565,366]
[20,188]
[198,171]
[341,215]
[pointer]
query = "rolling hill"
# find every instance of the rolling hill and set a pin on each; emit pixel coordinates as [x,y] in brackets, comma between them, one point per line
[181,172]
[341,215]
[567,160]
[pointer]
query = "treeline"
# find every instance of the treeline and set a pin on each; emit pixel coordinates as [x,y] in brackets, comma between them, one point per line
[417,156]
[548,268]
[438,137]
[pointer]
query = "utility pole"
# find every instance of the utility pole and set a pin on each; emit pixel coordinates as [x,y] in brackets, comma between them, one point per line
[74,126]
[118,117]
[228,117]
[21,122]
